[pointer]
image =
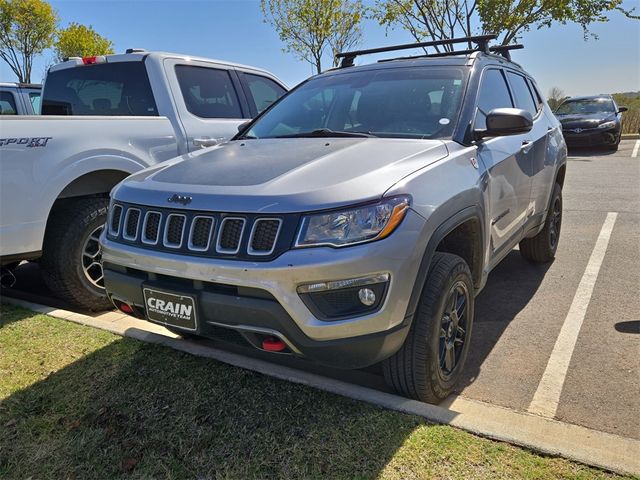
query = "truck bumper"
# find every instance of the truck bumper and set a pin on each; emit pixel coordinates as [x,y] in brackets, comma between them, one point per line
[256,298]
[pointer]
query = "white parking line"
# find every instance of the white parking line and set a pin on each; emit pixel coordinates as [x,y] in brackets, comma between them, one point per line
[634,154]
[545,400]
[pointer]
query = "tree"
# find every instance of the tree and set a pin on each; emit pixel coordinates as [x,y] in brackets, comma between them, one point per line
[81,41]
[433,19]
[555,97]
[438,19]
[27,28]
[310,27]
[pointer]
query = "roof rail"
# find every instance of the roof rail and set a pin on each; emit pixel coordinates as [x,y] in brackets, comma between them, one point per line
[482,42]
[135,50]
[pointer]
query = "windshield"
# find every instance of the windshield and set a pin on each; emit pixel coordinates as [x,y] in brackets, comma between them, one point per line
[588,106]
[400,103]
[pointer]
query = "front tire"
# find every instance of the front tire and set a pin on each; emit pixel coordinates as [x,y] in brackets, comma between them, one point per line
[542,248]
[71,257]
[430,362]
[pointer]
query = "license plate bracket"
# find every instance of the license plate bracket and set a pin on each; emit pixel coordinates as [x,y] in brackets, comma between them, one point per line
[171,309]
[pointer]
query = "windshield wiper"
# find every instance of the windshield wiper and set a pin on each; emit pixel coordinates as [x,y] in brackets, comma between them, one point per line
[327,132]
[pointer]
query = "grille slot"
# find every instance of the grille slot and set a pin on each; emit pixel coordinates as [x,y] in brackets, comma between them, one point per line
[151,228]
[174,230]
[131,224]
[230,235]
[114,224]
[264,235]
[200,234]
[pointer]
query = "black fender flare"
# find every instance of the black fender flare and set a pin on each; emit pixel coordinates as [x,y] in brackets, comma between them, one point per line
[474,212]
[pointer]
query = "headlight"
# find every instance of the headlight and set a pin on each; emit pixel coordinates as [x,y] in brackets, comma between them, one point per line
[611,124]
[353,225]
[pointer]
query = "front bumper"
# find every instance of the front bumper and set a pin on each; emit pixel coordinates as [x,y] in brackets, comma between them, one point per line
[351,342]
[591,137]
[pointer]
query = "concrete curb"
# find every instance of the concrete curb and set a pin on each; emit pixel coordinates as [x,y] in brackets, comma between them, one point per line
[584,445]
[630,136]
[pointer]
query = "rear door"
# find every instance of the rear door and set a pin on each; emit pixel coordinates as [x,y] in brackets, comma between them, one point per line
[209,101]
[261,91]
[508,167]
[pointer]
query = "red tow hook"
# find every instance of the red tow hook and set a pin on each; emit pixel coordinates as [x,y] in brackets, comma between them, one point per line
[273,344]
[125,308]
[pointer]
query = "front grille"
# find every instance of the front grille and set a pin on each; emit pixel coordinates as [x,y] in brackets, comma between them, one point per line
[174,230]
[263,236]
[116,215]
[151,227]
[202,233]
[201,230]
[230,234]
[131,221]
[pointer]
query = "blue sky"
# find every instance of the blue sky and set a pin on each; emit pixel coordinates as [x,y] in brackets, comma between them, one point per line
[234,30]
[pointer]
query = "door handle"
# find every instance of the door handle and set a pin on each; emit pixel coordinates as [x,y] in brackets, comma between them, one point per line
[526,146]
[205,142]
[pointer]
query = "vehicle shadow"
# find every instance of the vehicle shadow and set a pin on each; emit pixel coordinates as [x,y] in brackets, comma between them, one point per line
[510,287]
[590,152]
[131,408]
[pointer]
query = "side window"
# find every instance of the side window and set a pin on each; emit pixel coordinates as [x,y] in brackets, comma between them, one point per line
[34,98]
[536,94]
[264,91]
[493,93]
[7,104]
[208,92]
[522,94]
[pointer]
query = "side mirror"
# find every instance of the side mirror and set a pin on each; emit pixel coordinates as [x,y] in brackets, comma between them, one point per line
[622,109]
[243,125]
[506,121]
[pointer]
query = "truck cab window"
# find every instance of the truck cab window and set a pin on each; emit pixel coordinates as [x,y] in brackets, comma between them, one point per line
[7,104]
[208,92]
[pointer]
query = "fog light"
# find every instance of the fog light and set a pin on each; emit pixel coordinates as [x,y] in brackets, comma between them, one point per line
[339,299]
[367,297]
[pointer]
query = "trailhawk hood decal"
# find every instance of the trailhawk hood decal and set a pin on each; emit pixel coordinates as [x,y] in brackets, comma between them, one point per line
[281,175]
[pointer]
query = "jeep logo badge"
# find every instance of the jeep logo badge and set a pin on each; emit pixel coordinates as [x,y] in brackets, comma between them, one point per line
[182,199]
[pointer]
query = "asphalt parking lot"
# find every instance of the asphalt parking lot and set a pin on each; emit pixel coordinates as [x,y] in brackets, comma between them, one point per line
[561,340]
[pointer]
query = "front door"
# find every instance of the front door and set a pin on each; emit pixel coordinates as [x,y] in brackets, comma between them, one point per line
[507,161]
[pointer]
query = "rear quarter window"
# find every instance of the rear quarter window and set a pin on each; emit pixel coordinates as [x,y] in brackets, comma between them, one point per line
[114,89]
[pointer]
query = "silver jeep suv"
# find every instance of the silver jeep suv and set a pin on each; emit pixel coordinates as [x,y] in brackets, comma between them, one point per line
[354,221]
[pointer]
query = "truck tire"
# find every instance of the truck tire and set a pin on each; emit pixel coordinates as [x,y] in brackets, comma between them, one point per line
[542,248]
[431,360]
[71,256]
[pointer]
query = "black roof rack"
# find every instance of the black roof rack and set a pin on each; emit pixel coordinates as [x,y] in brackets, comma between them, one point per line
[499,49]
[482,42]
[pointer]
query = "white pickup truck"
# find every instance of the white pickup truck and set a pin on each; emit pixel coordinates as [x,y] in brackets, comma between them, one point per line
[104,118]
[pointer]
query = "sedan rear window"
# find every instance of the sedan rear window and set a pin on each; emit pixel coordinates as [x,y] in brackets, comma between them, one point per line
[119,88]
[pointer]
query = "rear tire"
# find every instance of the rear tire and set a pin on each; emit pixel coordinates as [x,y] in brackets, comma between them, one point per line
[71,256]
[542,248]
[431,360]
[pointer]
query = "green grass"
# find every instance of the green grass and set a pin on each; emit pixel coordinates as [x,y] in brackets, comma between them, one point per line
[77,402]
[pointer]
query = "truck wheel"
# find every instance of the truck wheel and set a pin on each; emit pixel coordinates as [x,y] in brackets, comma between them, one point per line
[542,248]
[71,261]
[431,360]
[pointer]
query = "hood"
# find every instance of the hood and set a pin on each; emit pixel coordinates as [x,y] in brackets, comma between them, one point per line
[585,120]
[282,175]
